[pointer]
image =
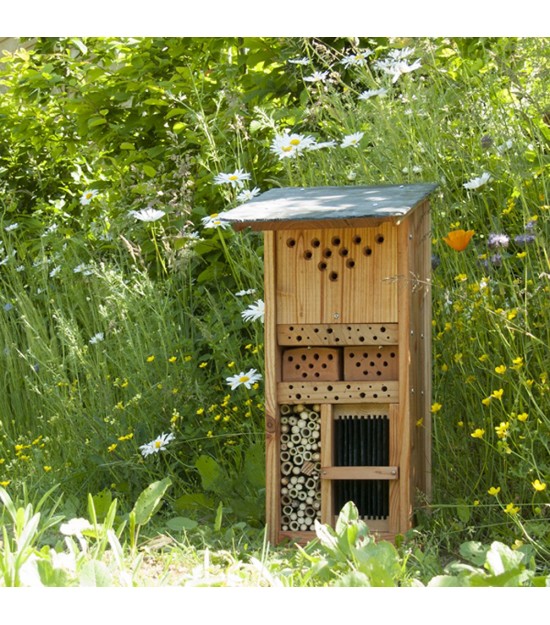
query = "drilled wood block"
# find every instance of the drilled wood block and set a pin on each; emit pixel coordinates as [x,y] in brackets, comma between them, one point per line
[310,364]
[369,362]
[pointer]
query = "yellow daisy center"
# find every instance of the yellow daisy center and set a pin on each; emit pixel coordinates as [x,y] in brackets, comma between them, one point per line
[244,378]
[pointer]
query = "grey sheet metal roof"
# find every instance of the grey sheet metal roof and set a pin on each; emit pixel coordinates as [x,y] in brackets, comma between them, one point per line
[327,203]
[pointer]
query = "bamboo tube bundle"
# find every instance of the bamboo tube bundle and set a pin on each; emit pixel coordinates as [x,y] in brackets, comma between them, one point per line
[300,467]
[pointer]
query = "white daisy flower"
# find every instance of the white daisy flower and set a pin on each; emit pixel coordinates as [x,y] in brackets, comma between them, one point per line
[358,59]
[247,194]
[214,221]
[317,77]
[97,338]
[352,140]
[236,179]
[148,214]
[288,145]
[75,527]
[371,93]
[88,196]
[399,68]
[321,146]
[254,311]
[159,444]
[245,292]
[303,61]
[247,379]
[11,227]
[400,54]
[475,183]
[55,271]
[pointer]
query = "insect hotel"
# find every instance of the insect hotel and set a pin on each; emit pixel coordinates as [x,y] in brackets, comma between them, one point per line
[347,353]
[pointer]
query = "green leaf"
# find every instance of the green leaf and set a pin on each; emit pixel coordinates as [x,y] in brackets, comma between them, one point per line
[193,501]
[464,513]
[150,500]
[149,170]
[96,121]
[179,523]
[209,470]
[102,502]
[127,146]
[254,466]
[95,574]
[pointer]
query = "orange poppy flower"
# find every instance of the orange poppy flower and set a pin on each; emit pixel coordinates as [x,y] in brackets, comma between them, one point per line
[458,239]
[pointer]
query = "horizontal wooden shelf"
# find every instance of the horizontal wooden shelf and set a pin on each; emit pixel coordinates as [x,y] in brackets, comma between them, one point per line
[338,392]
[334,334]
[359,473]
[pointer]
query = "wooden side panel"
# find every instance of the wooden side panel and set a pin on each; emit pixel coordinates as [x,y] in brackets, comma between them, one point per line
[395,456]
[344,275]
[272,377]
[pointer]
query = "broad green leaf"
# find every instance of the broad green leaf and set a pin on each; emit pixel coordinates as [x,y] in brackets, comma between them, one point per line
[254,466]
[95,574]
[150,500]
[193,501]
[179,523]
[96,121]
[127,146]
[209,470]
[149,170]
[102,502]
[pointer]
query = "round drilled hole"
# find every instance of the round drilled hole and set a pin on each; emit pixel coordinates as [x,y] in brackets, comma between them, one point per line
[357,239]
[308,254]
[315,242]
[350,264]
[299,337]
[327,253]
[291,242]
[329,387]
[379,238]
[322,266]
[290,358]
[304,374]
[333,276]
[367,251]
[336,241]
[384,388]
[382,329]
[343,251]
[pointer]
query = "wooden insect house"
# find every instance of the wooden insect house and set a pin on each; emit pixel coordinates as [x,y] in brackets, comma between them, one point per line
[347,353]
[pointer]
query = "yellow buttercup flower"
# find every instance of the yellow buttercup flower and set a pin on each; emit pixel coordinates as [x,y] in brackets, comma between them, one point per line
[150,358]
[502,429]
[494,491]
[436,407]
[172,359]
[523,417]
[478,433]
[498,394]
[47,468]
[500,369]
[511,509]
[112,447]
[538,485]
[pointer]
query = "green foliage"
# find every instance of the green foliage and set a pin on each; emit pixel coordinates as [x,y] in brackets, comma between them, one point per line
[114,330]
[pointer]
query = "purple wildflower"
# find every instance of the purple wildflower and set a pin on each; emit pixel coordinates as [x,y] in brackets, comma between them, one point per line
[524,239]
[498,240]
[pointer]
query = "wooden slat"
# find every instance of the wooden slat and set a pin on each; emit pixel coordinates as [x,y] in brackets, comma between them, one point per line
[327,458]
[337,392]
[334,334]
[359,473]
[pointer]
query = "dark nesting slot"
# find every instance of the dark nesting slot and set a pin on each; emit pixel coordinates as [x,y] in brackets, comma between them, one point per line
[362,442]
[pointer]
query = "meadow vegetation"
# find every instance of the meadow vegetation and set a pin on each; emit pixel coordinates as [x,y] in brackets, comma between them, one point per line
[131,356]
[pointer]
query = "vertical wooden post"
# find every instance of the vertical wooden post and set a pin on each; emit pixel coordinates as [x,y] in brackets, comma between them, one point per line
[272,376]
[327,460]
